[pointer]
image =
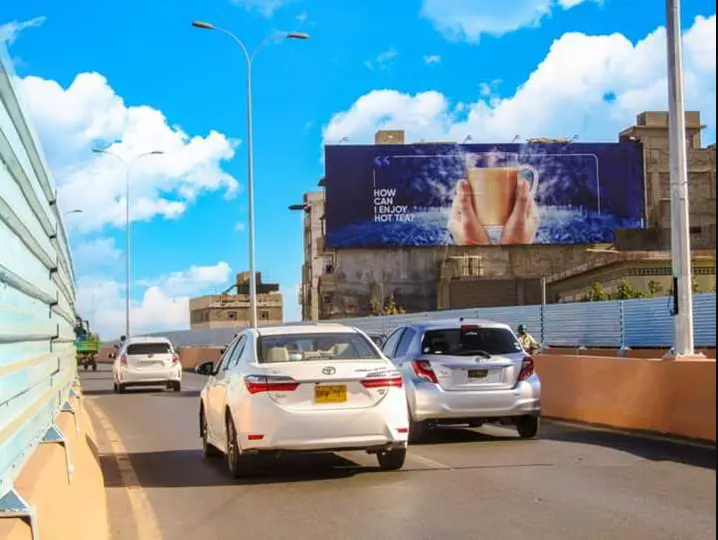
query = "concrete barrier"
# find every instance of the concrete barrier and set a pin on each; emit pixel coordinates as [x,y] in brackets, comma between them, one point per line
[642,393]
[671,398]
[76,510]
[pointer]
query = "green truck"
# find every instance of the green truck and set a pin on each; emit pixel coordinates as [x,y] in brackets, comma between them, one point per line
[87,345]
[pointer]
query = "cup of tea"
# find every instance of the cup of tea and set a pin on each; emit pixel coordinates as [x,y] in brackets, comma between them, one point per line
[494,180]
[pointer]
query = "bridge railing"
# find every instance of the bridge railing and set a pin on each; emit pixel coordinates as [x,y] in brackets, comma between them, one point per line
[37,299]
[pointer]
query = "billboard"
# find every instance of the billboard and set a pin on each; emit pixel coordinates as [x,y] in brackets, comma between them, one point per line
[469,195]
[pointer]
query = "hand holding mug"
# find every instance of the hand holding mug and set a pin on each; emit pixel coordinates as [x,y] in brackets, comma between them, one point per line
[468,222]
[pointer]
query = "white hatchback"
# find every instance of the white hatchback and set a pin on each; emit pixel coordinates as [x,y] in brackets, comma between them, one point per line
[146,361]
[303,388]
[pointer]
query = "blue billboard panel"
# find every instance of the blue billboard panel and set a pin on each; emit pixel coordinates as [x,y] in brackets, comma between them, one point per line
[473,195]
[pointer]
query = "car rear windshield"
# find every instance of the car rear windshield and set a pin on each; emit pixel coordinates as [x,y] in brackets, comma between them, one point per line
[149,348]
[315,346]
[470,342]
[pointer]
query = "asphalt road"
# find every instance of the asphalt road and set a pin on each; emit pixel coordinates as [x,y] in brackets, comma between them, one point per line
[573,483]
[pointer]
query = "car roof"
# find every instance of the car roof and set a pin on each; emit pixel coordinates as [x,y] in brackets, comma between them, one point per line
[446,324]
[147,339]
[317,328]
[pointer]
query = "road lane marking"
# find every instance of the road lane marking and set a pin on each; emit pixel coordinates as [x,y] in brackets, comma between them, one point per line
[429,462]
[144,516]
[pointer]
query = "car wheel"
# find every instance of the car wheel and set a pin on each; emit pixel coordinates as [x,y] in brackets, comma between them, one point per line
[239,466]
[177,386]
[528,426]
[208,450]
[94,367]
[392,460]
[121,388]
[114,387]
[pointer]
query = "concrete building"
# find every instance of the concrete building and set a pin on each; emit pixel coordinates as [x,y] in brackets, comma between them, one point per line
[228,310]
[347,282]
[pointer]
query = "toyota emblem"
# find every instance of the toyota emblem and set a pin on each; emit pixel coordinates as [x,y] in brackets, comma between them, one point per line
[329,370]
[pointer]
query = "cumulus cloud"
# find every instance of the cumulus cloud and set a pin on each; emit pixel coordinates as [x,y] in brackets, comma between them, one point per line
[94,253]
[468,19]
[432,59]
[383,60]
[9,32]
[164,305]
[86,114]
[592,86]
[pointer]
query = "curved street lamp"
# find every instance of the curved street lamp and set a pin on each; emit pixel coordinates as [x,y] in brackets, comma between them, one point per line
[249,57]
[128,228]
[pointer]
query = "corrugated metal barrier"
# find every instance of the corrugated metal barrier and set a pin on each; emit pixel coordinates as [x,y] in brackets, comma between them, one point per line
[37,300]
[645,323]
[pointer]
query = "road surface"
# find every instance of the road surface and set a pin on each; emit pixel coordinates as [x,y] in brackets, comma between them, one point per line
[573,483]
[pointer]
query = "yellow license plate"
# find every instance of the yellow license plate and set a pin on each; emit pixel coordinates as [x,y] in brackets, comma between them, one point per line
[330,394]
[478,373]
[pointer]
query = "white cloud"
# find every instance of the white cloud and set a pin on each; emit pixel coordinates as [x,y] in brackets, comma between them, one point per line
[383,60]
[267,8]
[240,227]
[469,19]
[565,95]
[432,59]
[95,253]
[9,32]
[164,305]
[72,120]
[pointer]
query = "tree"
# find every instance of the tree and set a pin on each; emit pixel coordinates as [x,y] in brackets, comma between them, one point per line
[597,293]
[655,288]
[628,291]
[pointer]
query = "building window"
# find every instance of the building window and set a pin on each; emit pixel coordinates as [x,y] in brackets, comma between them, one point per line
[264,315]
[232,315]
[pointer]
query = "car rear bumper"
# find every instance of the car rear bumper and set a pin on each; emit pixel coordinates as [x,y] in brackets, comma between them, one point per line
[430,402]
[370,429]
[159,376]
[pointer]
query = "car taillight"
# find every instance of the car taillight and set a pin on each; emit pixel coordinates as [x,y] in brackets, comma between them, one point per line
[175,359]
[257,384]
[528,368]
[423,370]
[383,382]
[123,360]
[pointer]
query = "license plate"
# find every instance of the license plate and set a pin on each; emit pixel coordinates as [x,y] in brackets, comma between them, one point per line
[478,373]
[330,394]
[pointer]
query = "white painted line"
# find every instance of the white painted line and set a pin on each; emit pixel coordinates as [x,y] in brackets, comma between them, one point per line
[429,462]
[144,516]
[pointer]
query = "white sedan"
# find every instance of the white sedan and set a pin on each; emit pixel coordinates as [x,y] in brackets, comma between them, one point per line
[303,388]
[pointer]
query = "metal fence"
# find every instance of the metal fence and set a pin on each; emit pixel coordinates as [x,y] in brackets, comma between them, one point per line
[644,323]
[37,299]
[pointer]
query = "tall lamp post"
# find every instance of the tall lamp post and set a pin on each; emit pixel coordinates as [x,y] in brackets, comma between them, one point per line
[249,56]
[128,228]
[684,344]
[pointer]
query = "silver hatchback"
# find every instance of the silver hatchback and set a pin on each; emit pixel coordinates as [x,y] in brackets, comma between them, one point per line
[466,372]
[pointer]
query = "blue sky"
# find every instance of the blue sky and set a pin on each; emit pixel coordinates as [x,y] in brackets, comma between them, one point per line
[138,73]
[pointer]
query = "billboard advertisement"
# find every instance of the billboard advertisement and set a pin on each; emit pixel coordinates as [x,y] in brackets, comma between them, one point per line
[471,195]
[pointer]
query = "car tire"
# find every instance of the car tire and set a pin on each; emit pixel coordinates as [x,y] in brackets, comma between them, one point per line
[528,427]
[177,386]
[239,466]
[392,460]
[114,388]
[121,388]
[208,450]
[94,367]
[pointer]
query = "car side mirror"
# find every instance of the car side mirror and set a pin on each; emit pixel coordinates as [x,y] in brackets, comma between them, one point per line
[205,368]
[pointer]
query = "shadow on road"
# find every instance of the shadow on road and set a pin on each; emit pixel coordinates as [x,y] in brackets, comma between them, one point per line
[187,468]
[458,435]
[647,448]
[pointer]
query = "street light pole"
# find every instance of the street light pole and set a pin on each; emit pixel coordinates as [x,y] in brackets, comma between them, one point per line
[684,344]
[249,57]
[128,228]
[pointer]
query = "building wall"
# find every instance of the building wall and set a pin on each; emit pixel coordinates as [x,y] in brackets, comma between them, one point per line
[640,274]
[315,260]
